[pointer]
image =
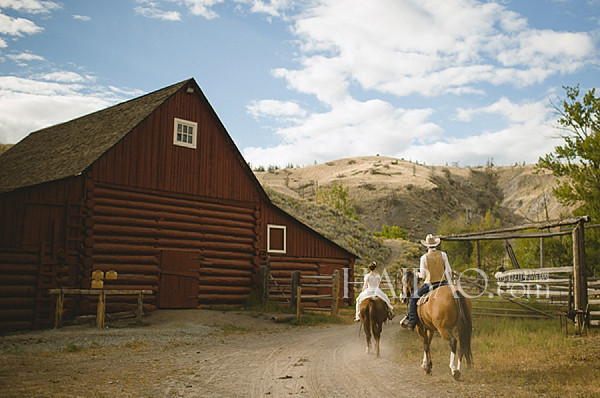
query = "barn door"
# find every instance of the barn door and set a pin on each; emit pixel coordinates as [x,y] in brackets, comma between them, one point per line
[178,286]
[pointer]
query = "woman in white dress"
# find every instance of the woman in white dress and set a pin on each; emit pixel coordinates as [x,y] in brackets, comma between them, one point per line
[371,289]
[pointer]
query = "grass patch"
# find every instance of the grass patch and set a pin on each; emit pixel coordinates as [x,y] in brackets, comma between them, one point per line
[254,305]
[519,358]
[72,347]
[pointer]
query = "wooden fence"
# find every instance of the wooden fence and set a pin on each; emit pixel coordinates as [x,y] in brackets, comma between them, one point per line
[317,292]
[529,293]
[579,284]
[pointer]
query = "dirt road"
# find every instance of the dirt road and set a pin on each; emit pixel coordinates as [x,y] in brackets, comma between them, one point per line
[203,353]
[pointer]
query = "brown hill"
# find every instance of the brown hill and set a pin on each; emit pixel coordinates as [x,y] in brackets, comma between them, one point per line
[388,191]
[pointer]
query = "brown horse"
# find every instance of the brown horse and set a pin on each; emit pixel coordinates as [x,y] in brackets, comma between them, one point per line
[444,311]
[373,312]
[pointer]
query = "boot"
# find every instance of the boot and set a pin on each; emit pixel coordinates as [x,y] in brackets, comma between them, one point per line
[407,323]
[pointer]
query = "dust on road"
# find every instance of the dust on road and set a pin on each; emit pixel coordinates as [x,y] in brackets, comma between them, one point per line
[207,353]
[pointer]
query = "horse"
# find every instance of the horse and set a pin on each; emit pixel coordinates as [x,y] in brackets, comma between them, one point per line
[444,311]
[373,312]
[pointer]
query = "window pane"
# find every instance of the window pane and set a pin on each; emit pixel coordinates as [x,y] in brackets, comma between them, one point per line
[179,137]
[179,127]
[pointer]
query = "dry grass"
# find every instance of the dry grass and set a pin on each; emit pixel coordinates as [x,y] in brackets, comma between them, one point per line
[521,358]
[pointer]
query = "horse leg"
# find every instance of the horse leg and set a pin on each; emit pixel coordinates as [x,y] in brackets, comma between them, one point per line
[454,358]
[367,328]
[377,334]
[427,336]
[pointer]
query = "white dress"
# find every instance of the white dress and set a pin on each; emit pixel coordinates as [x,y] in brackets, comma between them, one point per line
[371,289]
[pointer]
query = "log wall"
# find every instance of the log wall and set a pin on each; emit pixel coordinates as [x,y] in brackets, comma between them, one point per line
[40,248]
[130,228]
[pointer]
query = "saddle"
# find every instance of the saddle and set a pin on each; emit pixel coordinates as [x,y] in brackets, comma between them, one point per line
[425,298]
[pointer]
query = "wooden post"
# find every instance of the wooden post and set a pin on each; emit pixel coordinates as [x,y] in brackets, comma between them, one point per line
[579,274]
[263,284]
[298,302]
[542,260]
[335,292]
[58,314]
[295,285]
[100,313]
[477,255]
[140,308]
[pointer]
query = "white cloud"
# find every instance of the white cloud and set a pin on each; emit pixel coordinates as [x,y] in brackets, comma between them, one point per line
[527,135]
[83,18]
[50,102]
[351,129]
[23,57]
[17,26]
[63,77]
[517,143]
[272,8]
[30,6]
[202,7]
[429,49]
[150,9]
[274,108]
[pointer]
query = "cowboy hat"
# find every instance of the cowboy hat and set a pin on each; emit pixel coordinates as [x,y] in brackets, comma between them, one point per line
[431,241]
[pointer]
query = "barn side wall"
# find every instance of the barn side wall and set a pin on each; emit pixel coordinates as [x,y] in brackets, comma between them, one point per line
[41,247]
[306,251]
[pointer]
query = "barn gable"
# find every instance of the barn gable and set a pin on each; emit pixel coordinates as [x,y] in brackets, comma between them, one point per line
[153,188]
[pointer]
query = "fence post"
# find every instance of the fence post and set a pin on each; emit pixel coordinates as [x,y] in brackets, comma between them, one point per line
[298,303]
[335,292]
[579,274]
[477,255]
[263,284]
[295,285]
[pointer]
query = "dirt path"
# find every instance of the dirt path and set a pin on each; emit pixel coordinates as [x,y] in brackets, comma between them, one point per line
[204,353]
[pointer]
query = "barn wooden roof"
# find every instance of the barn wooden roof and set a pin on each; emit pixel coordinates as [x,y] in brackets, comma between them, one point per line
[69,148]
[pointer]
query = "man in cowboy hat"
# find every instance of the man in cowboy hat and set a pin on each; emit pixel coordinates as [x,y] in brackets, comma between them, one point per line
[435,270]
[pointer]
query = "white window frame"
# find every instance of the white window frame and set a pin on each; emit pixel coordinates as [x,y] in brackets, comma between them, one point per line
[282,227]
[189,124]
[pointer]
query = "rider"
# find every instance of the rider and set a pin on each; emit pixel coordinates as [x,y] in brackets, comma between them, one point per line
[436,271]
[371,289]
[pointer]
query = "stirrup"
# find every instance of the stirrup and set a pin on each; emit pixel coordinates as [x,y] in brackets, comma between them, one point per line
[407,324]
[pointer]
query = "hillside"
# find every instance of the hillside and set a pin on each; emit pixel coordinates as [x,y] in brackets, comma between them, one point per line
[5,147]
[389,191]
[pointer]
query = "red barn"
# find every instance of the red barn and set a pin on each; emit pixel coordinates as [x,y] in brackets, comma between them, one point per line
[153,188]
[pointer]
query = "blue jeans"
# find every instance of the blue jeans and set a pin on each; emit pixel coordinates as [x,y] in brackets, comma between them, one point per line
[412,307]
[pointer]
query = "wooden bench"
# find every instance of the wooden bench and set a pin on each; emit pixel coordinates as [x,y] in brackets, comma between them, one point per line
[100,314]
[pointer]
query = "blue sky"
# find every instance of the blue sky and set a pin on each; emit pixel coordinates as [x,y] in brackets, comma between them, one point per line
[298,82]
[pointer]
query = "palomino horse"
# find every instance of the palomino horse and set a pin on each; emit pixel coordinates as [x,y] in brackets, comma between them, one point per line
[373,312]
[443,312]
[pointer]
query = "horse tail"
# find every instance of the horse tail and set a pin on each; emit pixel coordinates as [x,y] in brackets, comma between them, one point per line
[373,316]
[465,327]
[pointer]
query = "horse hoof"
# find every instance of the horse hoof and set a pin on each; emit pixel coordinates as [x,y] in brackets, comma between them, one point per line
[456,375]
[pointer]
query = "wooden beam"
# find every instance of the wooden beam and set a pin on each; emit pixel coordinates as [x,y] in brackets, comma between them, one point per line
[502,236]
[540,225]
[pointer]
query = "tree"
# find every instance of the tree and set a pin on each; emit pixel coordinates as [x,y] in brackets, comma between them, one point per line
[337,197]
[578,160]
[393,232]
